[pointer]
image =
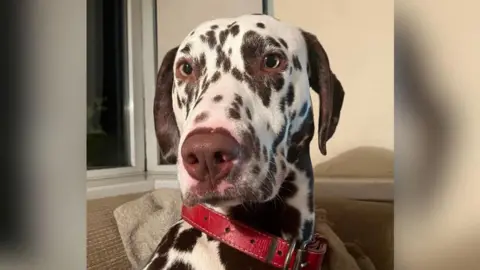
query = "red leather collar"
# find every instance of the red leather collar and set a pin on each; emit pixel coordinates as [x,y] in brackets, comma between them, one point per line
[262,246]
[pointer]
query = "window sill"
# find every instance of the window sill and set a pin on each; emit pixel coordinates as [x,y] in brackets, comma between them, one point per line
[381,189]
[122,185]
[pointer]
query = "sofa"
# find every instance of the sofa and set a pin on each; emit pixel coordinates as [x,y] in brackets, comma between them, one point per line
[366,228]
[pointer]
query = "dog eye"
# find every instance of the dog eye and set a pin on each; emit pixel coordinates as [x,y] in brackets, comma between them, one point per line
[186,69]
[272,61]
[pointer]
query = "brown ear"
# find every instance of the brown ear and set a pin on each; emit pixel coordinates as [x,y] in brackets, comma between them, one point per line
[327,86]
[166,127]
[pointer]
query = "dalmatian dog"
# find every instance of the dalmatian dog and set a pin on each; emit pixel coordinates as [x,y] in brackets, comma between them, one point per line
[233,111]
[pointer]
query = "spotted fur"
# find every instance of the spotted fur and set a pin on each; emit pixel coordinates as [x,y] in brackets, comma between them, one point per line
[269,113]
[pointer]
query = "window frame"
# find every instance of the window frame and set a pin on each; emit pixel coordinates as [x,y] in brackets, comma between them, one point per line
[150,67]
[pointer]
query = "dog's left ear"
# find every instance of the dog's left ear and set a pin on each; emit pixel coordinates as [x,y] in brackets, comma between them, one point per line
[327,86]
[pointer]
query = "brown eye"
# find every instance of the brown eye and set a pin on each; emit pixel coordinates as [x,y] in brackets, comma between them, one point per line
[272,62]
[186,69]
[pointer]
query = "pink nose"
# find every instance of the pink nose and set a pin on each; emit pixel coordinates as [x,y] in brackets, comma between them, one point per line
[208,154]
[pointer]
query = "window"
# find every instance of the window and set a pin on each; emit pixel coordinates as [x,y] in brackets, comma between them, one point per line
[115,115]
[121,69]
[108,141]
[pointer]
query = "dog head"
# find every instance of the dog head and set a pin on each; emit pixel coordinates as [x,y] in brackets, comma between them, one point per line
[233,109]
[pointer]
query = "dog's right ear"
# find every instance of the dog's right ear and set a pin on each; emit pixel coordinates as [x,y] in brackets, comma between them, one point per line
[166,128]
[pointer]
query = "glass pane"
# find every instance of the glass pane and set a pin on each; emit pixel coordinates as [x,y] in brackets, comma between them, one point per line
[108,141]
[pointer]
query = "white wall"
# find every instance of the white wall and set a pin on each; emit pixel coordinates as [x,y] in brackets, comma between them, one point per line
[176,18]
[358,38]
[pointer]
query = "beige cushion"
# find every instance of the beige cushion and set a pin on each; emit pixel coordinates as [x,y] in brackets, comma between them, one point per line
[143,222]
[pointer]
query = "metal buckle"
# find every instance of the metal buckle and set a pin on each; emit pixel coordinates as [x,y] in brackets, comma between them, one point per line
[293,244]
[298,264]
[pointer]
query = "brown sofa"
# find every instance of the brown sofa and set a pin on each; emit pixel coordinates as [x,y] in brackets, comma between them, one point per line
[366,227]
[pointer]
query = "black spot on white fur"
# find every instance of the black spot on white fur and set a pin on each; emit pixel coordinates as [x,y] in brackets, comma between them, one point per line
[187,239]
[180,265]
[283,42]
[235,29]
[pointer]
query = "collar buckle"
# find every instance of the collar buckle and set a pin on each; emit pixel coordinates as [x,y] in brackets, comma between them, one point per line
[299,263]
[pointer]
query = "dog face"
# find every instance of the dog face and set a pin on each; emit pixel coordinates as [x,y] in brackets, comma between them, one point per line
[233,107]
